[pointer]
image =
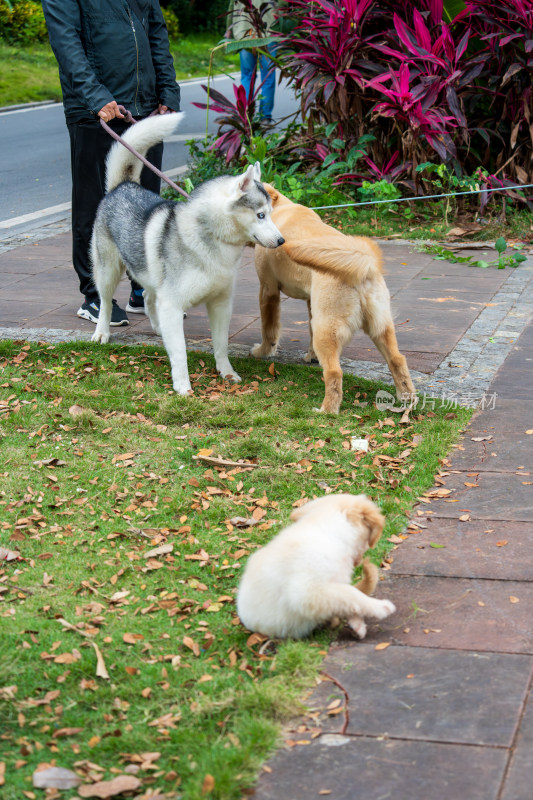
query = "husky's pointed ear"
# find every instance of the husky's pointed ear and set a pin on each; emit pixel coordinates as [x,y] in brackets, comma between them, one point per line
[257,171]
[245,181]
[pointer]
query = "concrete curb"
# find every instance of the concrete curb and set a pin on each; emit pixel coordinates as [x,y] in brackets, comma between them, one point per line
[36,104]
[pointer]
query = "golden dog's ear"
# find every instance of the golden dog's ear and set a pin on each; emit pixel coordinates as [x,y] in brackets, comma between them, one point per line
[274,194]
[365,511]
[298,513]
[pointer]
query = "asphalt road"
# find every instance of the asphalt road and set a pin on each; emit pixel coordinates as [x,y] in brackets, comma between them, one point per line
[35,157]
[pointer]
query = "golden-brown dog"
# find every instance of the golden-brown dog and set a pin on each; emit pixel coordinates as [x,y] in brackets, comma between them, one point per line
[341,278]
[302,577]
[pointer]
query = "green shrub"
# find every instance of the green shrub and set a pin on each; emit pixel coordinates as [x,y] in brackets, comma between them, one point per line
[22,22]
[172,23]
[198,16]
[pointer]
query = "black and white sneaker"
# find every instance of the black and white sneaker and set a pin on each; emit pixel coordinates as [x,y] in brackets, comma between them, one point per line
[136,304]
[91,312]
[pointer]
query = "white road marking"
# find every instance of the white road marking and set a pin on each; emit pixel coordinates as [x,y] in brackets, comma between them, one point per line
[64,207]
[30,108]
[44,212]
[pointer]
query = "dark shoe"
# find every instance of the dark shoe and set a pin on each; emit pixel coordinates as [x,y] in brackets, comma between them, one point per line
[136,304]
[90,310]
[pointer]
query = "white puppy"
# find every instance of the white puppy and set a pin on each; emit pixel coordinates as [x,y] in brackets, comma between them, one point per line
[302,578]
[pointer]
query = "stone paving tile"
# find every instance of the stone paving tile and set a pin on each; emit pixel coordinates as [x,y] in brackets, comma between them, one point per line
[457,613]
[29,266]
[481,549]
[502,442]
[42,295]
[471,285]
[491,497]
[38,257]
[447,696]
[517,381]
[358,768]
[16,314]
[518,781]
[445,268]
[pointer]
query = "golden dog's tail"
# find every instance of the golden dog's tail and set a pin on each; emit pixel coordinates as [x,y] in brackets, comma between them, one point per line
[370,578]
[350,264]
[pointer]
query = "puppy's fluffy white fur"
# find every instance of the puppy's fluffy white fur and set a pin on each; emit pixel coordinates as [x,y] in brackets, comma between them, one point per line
[302,578]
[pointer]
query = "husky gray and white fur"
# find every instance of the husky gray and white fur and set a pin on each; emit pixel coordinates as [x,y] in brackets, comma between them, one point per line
[182,254]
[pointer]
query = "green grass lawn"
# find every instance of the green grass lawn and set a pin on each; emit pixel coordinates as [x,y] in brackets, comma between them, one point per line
[29,74]
[98,469]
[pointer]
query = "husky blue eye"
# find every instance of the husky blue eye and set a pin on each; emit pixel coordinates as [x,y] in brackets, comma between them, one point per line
[261,215]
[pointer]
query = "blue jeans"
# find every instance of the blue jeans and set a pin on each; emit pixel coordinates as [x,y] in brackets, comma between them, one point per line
[249,62]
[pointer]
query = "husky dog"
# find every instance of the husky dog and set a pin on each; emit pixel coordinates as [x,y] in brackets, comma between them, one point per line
[182,254]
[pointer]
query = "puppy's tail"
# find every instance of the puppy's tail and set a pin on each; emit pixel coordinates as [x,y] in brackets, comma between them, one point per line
[350,264]
[370,578]
[121,165]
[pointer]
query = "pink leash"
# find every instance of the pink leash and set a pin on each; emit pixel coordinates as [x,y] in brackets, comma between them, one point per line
[128,117]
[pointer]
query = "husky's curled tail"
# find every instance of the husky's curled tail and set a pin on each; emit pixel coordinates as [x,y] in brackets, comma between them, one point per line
[121,165]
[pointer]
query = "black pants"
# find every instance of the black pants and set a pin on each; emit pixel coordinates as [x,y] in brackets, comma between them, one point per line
[89,146]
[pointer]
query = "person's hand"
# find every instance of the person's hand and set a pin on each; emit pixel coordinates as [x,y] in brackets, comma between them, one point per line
[164,109]
[110,111]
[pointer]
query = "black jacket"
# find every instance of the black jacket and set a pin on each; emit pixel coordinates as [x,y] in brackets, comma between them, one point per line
[106,52]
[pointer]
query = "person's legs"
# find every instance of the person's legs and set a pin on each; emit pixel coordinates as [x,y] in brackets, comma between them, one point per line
[268,84]
[248,61]
[88,149]
[89,146]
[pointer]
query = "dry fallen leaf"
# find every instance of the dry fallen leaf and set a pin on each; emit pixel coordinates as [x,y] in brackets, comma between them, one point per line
[101,670]
[55,778]
[243,522]
[162,550]
[191,644]
[62,732]
[514,599]
[9,555]
[205,452]
[104,789]
[208,785]
[2,772]
[132,638]
[383,645]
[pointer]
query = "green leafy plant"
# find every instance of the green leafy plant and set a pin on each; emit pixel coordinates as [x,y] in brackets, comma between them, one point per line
[22,22]
[172,23]
[442,253]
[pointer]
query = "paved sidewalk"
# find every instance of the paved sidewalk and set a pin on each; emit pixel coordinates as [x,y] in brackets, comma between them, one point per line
[455,324]
[440,694]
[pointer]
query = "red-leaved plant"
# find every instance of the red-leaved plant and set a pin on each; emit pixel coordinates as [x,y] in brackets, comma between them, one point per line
[425,82]
[238,118]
